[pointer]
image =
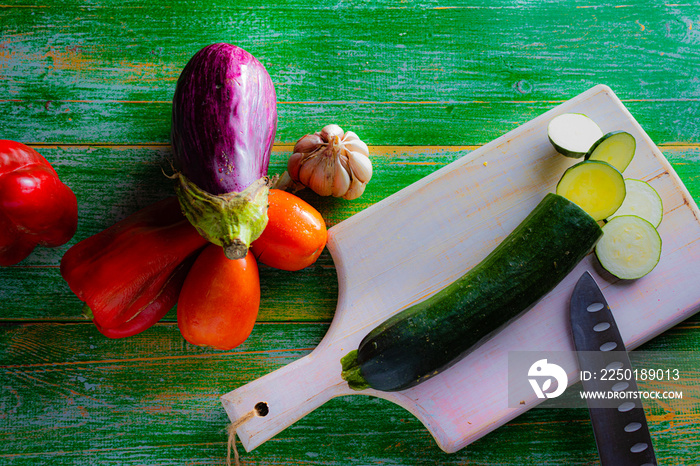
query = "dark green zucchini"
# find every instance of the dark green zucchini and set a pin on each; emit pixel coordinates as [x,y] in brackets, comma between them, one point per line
[427,338]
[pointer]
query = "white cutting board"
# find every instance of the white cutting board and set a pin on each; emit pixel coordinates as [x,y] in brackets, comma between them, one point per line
[425,236]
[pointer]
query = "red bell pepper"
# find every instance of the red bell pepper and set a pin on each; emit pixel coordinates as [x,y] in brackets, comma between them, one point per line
[130,274]
[156,310]
[36,208]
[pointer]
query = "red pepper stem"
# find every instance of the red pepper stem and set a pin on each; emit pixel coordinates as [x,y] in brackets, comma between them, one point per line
[231,220]
[87,312]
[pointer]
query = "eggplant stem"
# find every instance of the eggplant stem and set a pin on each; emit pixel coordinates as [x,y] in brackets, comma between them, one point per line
[231,220]
[236,250]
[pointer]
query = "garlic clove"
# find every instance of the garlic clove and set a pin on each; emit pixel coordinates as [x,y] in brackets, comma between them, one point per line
[308,143]
[329,131]
[356,145]
[341,181]
[307,169]
[321,181]
[350,135]
[294,164]
[361,166]
[343,160]
[356,189]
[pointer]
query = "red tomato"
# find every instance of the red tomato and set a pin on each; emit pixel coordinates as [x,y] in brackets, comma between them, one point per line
[294,236]
[219,300]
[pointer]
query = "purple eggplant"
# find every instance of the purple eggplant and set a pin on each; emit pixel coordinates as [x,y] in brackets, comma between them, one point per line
[224,119]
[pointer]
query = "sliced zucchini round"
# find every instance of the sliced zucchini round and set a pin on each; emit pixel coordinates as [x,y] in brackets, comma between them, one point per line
[597,187]
[573,134]
[630,247]
[641,200]
[616,148]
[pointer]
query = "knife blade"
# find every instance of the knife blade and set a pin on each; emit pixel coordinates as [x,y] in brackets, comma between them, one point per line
[619,424]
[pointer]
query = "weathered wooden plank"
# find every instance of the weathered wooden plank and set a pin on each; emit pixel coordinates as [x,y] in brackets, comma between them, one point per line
[395,123]
[77,73]
[685,162]
[53,344]
[319,51]
[34,289]
[43,346]
[69,397]
[39,293]
[112,182]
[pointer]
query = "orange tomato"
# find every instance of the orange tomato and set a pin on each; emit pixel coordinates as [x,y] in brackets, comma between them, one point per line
[294,236]
[219,300]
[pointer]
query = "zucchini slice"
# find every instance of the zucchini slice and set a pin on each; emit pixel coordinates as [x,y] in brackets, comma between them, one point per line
[630,247]
[641,200]
[597,187]
[573,134]
[616,148]
[430,336]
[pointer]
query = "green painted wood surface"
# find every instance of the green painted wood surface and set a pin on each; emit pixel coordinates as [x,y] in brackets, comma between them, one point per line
[449,73]
[137,399]
[89,85]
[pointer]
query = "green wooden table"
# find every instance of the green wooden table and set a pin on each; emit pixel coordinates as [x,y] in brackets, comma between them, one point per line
[89,85]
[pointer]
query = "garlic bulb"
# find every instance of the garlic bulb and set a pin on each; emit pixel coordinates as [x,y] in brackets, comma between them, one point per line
[332,163]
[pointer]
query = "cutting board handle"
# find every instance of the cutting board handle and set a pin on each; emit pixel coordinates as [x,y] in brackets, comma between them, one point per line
[289,393]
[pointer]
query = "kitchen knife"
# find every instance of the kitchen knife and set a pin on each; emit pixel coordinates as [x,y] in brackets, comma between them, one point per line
[619,424]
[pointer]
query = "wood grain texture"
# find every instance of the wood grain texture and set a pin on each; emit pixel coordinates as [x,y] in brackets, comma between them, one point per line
[77,398]
[113,182]
[74,72]
[419,123]
[313,50]
[34,290]
[91,83]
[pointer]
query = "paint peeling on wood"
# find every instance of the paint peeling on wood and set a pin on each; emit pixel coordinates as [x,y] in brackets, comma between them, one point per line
[92,85]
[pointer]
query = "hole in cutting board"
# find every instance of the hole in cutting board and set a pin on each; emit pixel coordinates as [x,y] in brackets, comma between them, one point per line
[261,409]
